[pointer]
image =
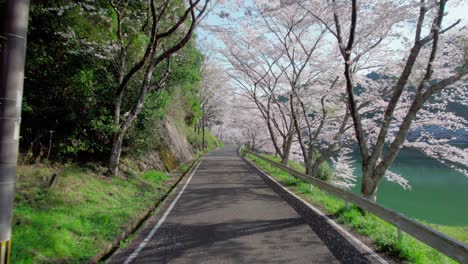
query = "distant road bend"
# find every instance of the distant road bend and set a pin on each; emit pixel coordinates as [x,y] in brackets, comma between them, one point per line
[226,211]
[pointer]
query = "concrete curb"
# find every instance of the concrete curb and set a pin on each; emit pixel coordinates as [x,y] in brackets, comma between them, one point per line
[295,201]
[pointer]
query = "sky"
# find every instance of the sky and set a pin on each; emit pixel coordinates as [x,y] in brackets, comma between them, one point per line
[456,9]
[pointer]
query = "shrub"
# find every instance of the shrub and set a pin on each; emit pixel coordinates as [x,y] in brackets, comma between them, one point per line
[325,172]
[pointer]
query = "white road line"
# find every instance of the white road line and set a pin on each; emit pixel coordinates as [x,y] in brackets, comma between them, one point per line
[160,222]
[340,229]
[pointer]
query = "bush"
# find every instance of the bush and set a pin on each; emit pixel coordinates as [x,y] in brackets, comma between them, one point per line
[325,172]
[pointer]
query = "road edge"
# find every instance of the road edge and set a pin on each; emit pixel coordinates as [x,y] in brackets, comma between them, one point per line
[155,228]
[134,226]
[361,246]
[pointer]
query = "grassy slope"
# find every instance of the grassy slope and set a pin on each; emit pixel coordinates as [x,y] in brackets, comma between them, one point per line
[83,212]
[382,234]
[79,216]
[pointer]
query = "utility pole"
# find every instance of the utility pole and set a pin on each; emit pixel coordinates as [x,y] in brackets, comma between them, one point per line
[13,31]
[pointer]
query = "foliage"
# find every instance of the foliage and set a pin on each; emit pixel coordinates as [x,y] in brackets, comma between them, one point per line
[181,94]
[65,92]
[325,172]
[344,176]
[186,76]
[70,84]
[143,135]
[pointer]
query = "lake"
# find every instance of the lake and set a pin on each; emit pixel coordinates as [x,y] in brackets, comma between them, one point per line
[438,195]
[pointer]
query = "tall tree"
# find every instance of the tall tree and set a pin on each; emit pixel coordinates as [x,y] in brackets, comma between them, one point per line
[168,32]
[376,161]
[319,120]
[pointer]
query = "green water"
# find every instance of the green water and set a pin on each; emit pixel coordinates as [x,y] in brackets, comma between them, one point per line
[438,195]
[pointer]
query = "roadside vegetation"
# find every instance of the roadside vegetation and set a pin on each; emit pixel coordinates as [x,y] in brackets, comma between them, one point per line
[80,215]
[383,235]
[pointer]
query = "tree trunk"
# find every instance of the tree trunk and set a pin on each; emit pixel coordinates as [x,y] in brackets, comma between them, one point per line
[115,154]
[122,130]
[308,168]
[117,106]
[287,146]
[369,186]
[285,159]
[285,154]
[313,168]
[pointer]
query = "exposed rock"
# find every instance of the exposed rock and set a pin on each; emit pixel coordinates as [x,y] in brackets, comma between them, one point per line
[180,151]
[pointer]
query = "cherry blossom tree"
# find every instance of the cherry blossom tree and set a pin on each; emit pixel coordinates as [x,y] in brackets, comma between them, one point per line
[254,69]
[316,104]
[213,91]
[398,89]
[291,60]
[343,176]
[242,122]
[405,87]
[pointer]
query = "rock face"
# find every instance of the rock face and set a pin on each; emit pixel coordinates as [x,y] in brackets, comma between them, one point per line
[173,152]
[176,150]
[148,161]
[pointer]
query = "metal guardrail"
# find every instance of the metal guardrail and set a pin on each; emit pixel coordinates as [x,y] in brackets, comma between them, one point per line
[442,243]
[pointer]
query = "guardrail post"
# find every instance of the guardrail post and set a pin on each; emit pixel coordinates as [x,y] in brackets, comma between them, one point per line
[311,187]
[400,235]
[5,249]
[347,205]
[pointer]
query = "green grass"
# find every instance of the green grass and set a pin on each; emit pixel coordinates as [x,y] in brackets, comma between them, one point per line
[155,176]
[381,233]
[79,216]
[184,168]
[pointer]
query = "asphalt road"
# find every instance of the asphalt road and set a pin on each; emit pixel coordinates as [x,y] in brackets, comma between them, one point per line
[230,213]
